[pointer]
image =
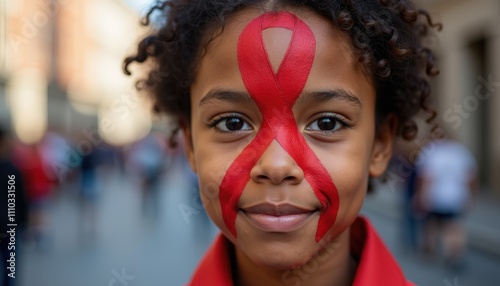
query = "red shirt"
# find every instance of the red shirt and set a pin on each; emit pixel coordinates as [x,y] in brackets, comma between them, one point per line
[376,265]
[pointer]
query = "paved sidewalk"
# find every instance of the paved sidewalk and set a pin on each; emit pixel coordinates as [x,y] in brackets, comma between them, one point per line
[482,223]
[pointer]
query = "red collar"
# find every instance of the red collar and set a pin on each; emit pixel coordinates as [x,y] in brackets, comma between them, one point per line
[376,266]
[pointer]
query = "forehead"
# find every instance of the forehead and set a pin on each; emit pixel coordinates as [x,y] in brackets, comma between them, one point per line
[335,62]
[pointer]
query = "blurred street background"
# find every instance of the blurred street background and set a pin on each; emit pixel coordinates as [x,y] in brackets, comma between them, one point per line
[164,250]
[112,204]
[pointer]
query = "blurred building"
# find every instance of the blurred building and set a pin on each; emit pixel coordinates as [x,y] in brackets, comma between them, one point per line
[60,69]
[468,88]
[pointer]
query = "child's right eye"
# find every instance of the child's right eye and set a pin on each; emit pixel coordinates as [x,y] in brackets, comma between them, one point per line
[230,123]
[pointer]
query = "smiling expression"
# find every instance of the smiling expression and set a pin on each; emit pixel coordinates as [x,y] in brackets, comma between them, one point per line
[281,110]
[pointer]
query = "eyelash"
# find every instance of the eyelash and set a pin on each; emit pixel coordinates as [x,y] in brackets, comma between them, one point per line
[219,118]
[338,118]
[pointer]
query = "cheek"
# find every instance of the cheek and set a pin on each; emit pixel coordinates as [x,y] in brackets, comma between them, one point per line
[212,166]
[351,180]
[349,169]
[348,165]
[347,162]
[210,179]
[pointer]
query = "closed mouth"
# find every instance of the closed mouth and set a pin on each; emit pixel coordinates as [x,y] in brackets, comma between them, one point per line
[281,218]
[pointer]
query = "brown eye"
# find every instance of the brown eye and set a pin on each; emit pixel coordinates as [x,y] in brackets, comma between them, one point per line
[328,123]
[232,123]
[325,124]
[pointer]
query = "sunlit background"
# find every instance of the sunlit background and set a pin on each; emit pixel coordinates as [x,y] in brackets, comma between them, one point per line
[62,90]
[70,53]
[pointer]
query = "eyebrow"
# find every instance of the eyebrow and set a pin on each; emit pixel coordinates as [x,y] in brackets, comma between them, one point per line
[316,97]
[226,95]
[339,94]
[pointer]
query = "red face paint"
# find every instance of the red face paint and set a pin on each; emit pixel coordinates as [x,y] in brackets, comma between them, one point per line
[275,95]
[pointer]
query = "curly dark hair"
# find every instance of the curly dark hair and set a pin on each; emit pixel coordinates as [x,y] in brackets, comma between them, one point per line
[388,36]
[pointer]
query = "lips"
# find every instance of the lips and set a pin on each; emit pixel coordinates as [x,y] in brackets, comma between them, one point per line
[277,217]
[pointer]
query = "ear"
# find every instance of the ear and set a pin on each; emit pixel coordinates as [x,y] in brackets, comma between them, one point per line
[188,145]
[383,145]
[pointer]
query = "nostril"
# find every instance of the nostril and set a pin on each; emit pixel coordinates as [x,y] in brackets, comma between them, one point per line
[276,179]
[262,177]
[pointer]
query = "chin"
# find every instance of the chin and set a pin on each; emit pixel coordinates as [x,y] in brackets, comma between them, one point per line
[281,265]
[278,251]
[280,260]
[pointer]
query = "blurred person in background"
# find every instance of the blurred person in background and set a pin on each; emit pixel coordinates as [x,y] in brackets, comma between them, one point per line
[412,218]
[406,169]
[38,189]
[53,151]
[89,194]
[7,170]
[446,180]
[148,159]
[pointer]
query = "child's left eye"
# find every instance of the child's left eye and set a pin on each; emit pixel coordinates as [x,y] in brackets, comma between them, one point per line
[327,123]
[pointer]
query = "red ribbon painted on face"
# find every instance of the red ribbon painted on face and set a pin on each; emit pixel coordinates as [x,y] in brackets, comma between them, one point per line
[275,95]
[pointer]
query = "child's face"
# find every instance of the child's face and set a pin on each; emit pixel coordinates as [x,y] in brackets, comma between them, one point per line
[264,158]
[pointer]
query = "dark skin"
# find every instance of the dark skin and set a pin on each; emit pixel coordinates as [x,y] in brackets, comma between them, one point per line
[374,51]
[350,154]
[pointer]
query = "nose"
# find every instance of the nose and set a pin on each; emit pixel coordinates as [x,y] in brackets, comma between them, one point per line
[276,166]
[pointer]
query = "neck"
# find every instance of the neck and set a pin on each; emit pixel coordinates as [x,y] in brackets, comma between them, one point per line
[333,265]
